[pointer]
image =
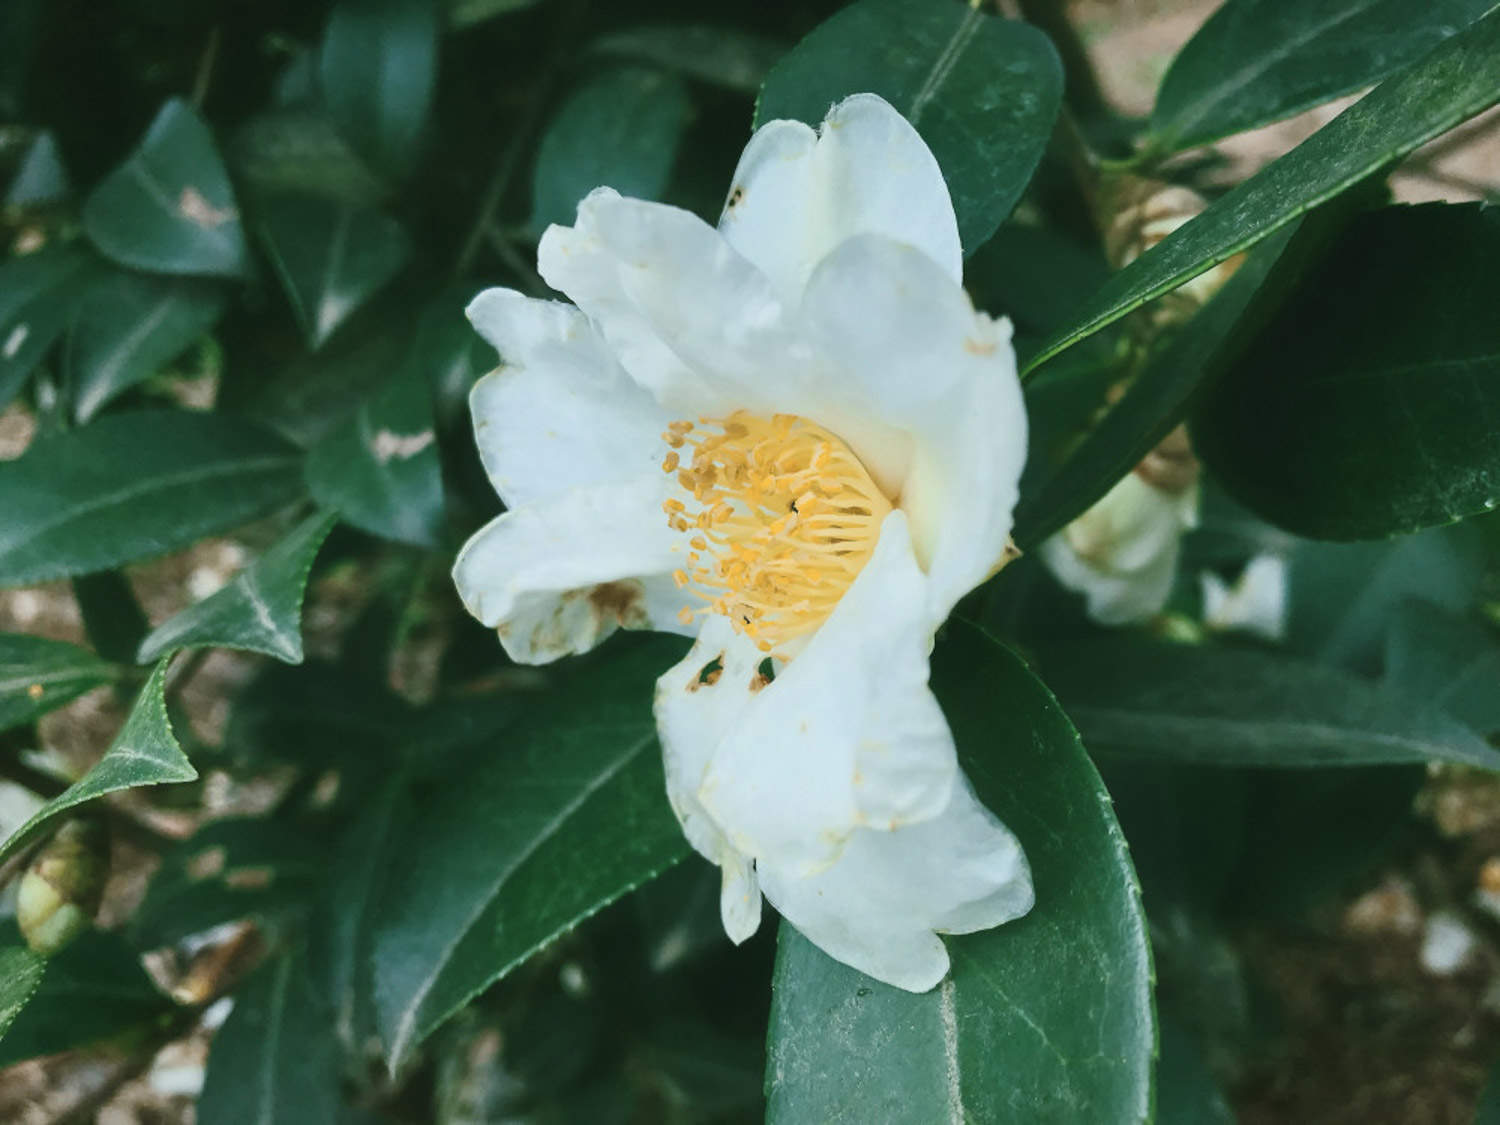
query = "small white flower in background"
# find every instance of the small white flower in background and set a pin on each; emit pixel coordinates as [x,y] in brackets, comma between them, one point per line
[1121,554]
[1256,603]
[793,438]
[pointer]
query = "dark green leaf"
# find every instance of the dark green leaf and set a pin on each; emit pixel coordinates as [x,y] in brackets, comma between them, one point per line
[622,129]
[297,151]
[21,972]
[143,753]
[1451,84]
[1048,1018]
[1255,61]
[452,354]
[558,818]
[1151,406]
[169,208]
[113,618]
[331,257]
[1186,1091]
[723,56]
[128,326]
[1450,663]
[1395,336]
[467,13]
[94,990]
[42,177]
[982,91]
[133,486]
[259,611]
[38,675]
[36,302]
[1487,1112]
[1207,705]
[275,1060]
[380,470]
[232,868]
[378,68]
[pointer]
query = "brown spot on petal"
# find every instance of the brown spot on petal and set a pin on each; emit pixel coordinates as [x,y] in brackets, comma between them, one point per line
[736,197]
[1171,466]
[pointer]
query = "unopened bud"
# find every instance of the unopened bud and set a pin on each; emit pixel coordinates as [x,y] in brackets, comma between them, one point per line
[61,890]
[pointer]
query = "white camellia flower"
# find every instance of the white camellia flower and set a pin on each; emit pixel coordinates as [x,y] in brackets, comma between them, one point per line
[1256,603]
[1121,554]
[793,438]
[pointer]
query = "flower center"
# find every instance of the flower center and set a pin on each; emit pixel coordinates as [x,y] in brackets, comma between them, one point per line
[781,517]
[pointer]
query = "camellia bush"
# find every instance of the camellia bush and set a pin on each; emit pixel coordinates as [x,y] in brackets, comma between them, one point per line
[829,442]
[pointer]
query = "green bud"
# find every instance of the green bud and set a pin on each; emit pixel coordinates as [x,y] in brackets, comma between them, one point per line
[61,890]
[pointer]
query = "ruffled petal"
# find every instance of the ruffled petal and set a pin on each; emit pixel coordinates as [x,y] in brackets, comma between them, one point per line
[880,907]
[557,578]
[560,413]
[798,194]
[849,734]
[690,319]
[910,352]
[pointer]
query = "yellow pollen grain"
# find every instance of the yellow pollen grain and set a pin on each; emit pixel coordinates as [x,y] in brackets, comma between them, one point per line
[782,517]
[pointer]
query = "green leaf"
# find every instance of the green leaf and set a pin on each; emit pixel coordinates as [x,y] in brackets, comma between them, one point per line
[331,257]
[260,610]
[41,177]
[134,486]
[1449,662]
[127,326]
[1048,1018]
[1458,79]
[1206,705]
[378,69]
[38,675]
[621,129]
[720,55]
[1152,404]
[36,302]
[21,972]
[275,1060]
[466,13]
[561,816]
[113,619]
[1255,61]
[1396,336]
[169,208]
[1186,1091]
[143,753]
[982,91]
[380,469]
[94,990]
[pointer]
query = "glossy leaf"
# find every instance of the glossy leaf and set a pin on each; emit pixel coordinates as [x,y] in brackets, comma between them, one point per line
[378,69]
[38,675]
[562,815]
[21,972]
[275,1060]
[1153,403]
[1449,662]
[145,752]
[331,257]
[36,301]
[1207,705]
[622,130]
[260,610]
[128,326]
[169,208]
[723,56]
[1395,335]
[41,177]
[133,486]
[1457,80]
[1048,1018]
[1255,61]
[983,92]
[379,469]
[94,990]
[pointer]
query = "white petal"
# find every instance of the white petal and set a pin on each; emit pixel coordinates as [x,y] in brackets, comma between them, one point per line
[1121,554]
[796,195]
[881,905]
[914,354]
[1256,603]
[690,319]
[558,578]
[739,900]
[848,735]
[560,413]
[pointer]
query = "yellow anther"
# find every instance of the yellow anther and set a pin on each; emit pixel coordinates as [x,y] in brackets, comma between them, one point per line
[685,615]
[670,462]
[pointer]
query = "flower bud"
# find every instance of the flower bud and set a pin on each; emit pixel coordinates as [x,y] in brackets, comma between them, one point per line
[61,890]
